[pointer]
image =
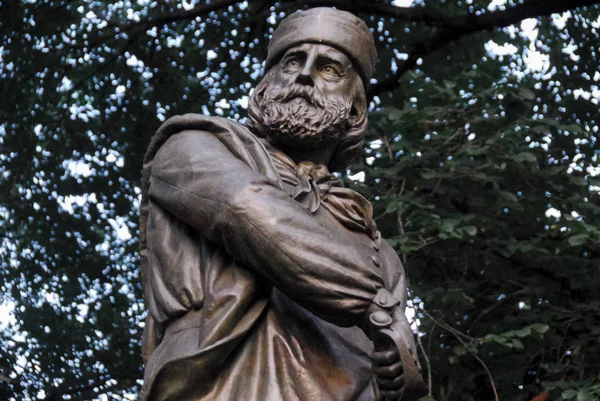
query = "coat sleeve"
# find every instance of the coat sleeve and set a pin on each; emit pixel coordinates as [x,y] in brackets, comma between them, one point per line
[199,181]
[394,279]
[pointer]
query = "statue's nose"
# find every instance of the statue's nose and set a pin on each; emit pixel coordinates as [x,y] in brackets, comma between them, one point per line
[305,76]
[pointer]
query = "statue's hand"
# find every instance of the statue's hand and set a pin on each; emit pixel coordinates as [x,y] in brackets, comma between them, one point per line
[387,367]
[387,361]
[397,373]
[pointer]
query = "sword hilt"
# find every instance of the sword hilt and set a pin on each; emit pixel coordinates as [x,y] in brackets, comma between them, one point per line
[384,337]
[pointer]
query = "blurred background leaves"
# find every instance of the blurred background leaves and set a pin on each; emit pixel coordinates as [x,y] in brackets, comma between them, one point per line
[481,163]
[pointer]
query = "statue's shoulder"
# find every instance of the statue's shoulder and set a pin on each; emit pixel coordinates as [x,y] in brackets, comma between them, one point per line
[226,130]
[200,122]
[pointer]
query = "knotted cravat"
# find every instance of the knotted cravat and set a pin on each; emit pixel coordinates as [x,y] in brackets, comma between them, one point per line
[312,185]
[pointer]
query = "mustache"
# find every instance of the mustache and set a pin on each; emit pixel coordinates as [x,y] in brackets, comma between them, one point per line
[290,118]
[301,116]
[291,92]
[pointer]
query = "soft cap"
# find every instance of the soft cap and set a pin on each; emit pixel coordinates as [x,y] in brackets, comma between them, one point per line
[336,28]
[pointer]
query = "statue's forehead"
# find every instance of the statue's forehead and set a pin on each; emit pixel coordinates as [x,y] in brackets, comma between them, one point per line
[322,50]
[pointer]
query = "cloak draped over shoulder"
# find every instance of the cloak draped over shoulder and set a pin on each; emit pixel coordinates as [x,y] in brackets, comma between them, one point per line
[256,271]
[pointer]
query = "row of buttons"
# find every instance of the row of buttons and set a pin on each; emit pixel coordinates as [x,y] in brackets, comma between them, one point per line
[376,245]
[383,298]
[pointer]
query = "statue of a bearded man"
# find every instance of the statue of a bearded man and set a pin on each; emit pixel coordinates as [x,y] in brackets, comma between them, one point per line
[265,279]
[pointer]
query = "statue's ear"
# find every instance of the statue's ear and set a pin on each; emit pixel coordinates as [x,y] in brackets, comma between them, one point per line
[254,121]
[359,103]
[259,90]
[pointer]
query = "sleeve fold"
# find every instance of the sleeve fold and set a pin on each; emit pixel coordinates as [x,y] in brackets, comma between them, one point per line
[198,180]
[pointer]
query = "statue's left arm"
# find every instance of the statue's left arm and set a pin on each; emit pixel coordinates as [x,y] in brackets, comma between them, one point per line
[395,364]
[197,179]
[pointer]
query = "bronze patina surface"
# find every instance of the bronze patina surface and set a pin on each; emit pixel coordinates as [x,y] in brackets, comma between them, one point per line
[264,278]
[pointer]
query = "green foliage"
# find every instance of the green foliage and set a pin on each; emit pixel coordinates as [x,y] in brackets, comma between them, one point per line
[468,162]
[464,175]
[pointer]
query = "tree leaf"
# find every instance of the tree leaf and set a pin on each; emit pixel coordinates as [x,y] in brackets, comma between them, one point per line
[568,394]
[471,230]
[526,94]
[577,180]
[525,157]
[447,226]
[428,175]
[540,328]
[509,196]
[584,395]
[578,239]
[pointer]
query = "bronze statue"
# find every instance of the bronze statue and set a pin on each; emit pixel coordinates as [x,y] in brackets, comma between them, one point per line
[264,278]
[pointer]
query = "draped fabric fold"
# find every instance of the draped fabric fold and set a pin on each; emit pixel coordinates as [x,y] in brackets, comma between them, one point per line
[313,185]
[213,319]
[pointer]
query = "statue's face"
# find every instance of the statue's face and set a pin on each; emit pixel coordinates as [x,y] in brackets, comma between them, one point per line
[306,100]
[322,67]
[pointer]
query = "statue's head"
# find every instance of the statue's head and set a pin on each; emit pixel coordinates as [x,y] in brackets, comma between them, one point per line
[313,94]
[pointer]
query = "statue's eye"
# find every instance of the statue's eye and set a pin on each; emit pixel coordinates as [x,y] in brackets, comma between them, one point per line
[293,64]
[330,73]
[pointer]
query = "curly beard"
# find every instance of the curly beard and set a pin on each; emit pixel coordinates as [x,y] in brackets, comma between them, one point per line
[299,116]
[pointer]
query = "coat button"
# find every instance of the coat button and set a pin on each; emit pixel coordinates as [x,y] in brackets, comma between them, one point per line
[376,243]
[376,260]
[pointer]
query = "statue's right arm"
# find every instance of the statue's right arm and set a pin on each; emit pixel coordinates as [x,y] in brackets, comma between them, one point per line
[197,179]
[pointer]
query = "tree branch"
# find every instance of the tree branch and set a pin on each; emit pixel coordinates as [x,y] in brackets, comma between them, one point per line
[457,27]
[457,335]
[428,364]
[410,14]
[449,28]
[198,11]
[496,305]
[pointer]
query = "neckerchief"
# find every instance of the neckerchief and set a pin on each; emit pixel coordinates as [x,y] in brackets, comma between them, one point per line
[312,185]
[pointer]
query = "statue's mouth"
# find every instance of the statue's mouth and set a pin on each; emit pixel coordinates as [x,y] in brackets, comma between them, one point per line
[302,96]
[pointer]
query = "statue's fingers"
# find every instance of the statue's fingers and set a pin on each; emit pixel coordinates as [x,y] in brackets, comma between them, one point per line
[387,357]
[391,395]
[395,384]
[389,371]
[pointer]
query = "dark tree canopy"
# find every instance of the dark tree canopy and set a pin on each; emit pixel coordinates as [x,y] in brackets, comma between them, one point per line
[481,163]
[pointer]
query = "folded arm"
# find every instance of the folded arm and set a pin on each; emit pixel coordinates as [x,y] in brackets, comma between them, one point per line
[395,363]
[197,179]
